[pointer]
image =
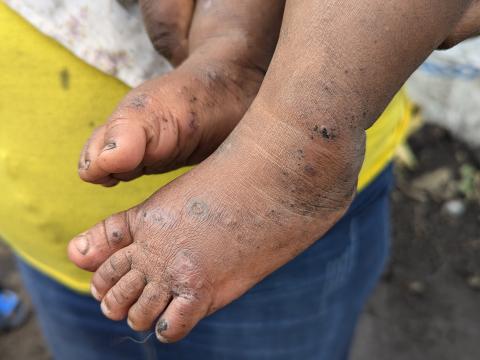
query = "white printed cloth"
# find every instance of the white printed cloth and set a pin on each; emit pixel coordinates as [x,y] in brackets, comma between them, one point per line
[104,33]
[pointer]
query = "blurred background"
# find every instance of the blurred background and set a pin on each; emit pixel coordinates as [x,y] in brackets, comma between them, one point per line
[427,304]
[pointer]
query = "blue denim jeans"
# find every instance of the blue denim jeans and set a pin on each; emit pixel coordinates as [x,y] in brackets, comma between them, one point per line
[306,310]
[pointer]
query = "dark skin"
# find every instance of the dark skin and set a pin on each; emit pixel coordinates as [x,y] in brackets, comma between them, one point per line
[134,143]
[467,27]
[168,25]
[182,117]
[209,236]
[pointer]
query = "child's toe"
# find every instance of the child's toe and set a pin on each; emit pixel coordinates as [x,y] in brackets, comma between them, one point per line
[179,318]
[122,295]
[90,249]
[123,146]
[110,272]
[148,307]
[88,168]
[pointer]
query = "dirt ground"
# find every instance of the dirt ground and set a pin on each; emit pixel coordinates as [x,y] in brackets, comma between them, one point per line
[427,306]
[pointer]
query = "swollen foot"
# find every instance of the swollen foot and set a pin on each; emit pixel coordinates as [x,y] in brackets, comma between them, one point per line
[174,120]
[209,236]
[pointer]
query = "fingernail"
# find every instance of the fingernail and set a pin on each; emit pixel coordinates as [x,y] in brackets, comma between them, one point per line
[109,146]
[95,293]
[104,307]
[81,243]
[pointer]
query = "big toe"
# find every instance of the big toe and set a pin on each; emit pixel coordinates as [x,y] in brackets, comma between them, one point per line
[91,248]
[117,148]
[123,148]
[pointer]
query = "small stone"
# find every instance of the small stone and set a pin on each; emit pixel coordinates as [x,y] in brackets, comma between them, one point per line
[455,207]
[474,282]
[460,156]
[416,287]
[435,182]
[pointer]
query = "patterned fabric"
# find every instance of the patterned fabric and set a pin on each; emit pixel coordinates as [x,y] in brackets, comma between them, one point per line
[118,47]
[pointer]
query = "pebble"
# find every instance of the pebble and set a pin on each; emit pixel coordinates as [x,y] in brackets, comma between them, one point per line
[474,282]
[416,287]
[455,207]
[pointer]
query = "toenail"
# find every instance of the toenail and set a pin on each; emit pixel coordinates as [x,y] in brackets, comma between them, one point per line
[105,309]
[81,243]
[130,324]
[84,165]
[95,292]
[162,325]
[109,146]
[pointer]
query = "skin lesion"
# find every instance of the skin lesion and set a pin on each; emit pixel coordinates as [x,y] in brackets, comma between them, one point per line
[139,101]
[161,218]
[310,170]
[116,236]
[199,260]
[187,276]
[198,208]
[324,132]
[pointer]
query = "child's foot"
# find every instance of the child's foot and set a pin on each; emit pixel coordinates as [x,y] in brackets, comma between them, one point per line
[180,118]
[209,236]
[174,120]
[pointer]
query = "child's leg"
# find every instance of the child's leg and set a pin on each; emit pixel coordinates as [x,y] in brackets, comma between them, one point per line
[282,179]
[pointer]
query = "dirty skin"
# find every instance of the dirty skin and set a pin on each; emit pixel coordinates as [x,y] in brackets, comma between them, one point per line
[234,219]
[224,229]
[156,128]
[202,99]
[200,265]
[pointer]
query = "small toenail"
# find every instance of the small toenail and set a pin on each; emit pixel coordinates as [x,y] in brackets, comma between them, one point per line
[95,292]
[105,309]
[81,243]
[84,164]
[130,324]
[109,146]
[162,325]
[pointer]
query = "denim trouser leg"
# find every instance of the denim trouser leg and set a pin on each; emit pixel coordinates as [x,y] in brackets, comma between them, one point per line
[305,310]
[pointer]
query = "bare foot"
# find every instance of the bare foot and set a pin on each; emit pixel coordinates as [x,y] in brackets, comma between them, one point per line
[182,117]
[284,176]
[206,238]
